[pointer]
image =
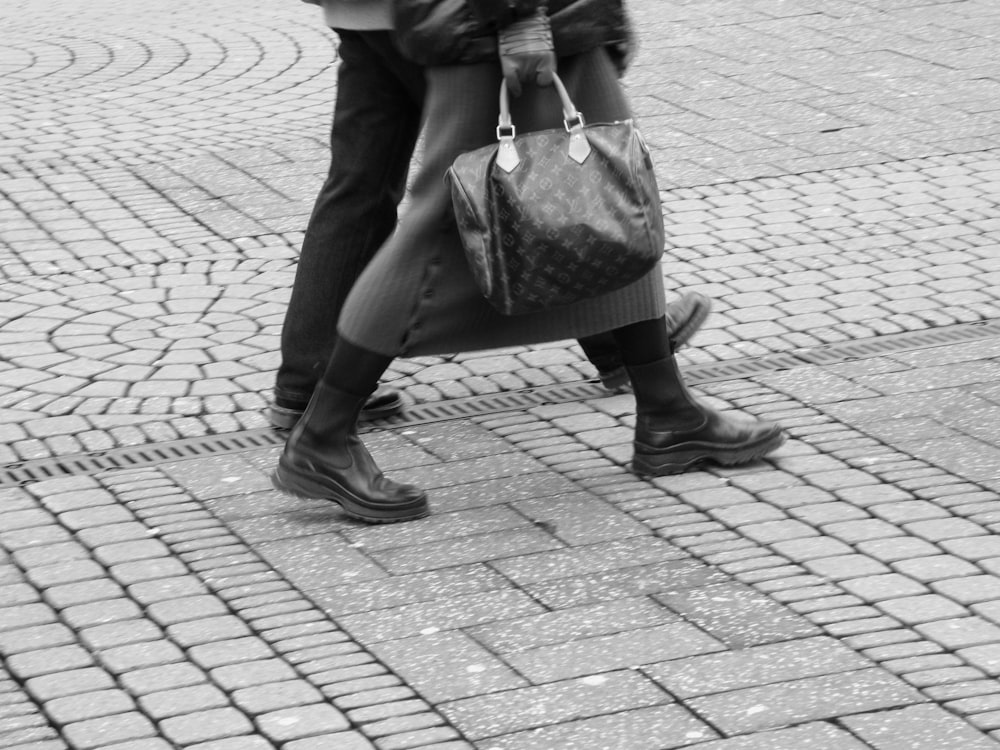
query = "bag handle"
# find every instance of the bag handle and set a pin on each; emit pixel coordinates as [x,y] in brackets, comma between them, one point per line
[507,156]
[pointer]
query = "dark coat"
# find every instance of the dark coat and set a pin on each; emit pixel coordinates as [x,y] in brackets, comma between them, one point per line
[450,32]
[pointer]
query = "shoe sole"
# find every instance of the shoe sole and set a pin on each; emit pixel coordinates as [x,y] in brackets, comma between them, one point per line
[283,418]
[684,459]
[701,307]
[317,487]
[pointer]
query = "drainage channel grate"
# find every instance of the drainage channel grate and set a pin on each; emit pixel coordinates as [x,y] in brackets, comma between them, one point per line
[39,470]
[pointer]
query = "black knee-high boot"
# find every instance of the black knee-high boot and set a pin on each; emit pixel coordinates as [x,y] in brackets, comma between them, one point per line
[674,431]
[325,458]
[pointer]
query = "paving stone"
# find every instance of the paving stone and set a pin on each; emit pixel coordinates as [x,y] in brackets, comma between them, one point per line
[986,658]
[302,721]
[243,742]
[470,549]
[457,612]
[274,696]
[815,736]
[913,610]
[68,682]
[756,666]
[182,701]
[185,609]
[167,677]
[125,632]
[447,666]
[82,592]
[917,728]
[48,660]
[140,655]
[884,587]
[961,632]
[340,740]
[90,705]
[738,615]
[514,634]
[204,726]
[107,730]
[670,725]
[232,651]
[602,653]
[531,707]
[251,673]
[25,615]
[81,616]
[809,699]
[35,638]
[207,630]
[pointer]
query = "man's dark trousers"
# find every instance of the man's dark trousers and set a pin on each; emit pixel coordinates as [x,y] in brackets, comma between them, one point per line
[376,122]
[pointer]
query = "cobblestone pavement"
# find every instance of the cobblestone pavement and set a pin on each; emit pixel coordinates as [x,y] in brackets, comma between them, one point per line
[830,173]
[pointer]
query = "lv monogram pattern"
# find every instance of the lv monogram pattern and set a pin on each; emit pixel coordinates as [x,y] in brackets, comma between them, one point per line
[553,231]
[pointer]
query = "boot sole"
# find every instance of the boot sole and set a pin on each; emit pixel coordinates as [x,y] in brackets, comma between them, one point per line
[687,457]
[318,487]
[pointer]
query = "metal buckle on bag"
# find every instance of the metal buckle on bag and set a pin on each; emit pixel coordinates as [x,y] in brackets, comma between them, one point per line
[507,156]
[579,146]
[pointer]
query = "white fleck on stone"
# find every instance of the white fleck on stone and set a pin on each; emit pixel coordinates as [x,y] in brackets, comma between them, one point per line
[230,480]
[756,710]
[475,668]
[430,631]
[594,679]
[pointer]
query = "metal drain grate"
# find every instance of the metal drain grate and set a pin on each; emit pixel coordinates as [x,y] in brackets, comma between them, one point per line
[39,470]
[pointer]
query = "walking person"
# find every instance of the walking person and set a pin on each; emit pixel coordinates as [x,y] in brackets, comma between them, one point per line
[376,122]
[417,296]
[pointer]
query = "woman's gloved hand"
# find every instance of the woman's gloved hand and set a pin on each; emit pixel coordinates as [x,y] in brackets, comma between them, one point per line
[527,52]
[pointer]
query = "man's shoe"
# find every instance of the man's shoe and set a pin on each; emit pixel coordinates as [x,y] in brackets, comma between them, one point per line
[385,402]
[684,316]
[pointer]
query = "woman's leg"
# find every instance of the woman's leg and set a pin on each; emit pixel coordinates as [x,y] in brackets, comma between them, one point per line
[674,431]
[324,457]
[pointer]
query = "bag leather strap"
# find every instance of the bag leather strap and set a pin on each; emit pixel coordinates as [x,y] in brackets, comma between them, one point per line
[507,156]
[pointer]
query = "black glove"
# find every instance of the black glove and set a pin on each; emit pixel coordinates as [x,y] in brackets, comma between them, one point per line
[527,52]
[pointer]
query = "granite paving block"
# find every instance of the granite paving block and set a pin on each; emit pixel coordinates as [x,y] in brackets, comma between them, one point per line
[447,666]
[464,550]
[108,730]
[580,518]
[217,476]
[578,561]
[319,560]
[478,469]
[514,634]
[527,708]
[440,614]
[501,490]
[624,583]
[434,528]
[301,721]
[670,725]
[755,666]
[814,736]
[799,701]
[738,615]
[918,728]
[205,725]
[396,591]
[181,701]
[603,653]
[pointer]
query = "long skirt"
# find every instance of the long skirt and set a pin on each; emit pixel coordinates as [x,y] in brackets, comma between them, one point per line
[418,296]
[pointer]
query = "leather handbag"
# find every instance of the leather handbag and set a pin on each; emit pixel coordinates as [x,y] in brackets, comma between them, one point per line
[557,216]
